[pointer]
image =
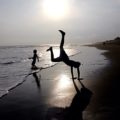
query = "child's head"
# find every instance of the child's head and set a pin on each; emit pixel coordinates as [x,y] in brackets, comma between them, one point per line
[34,51]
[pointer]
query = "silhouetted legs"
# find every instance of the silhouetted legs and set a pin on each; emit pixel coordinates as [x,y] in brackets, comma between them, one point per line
[63,56]
[62,39]
[78,72]
[58,59]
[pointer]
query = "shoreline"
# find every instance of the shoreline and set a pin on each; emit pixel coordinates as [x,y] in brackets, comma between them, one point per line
[104,104]
[107,99]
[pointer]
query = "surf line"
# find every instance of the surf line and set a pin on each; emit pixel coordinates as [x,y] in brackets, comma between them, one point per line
[40,69]
[24,79]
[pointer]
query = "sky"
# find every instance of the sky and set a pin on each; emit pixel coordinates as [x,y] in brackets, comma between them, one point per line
[36,22]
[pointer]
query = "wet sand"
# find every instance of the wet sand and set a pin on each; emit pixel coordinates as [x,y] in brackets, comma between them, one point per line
[43,96]
[106,100]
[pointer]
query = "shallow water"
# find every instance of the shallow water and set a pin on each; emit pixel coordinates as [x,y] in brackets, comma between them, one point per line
[15,65]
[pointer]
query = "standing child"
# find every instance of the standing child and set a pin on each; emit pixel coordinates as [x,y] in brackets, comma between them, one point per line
[35,57]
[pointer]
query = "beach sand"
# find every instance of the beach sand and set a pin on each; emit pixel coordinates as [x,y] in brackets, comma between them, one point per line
[51,94]
[106,102]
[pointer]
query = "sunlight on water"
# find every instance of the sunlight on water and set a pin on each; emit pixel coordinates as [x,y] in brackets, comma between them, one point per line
[56,52]
[63,82]
[16,65]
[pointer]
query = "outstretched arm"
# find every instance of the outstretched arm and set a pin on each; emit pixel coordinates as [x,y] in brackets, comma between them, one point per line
[72,73]
[78,70]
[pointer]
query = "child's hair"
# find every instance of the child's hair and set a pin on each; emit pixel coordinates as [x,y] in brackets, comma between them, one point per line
[35,51]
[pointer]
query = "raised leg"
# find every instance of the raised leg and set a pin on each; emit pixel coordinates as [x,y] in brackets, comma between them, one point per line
[58,59]
[62,39]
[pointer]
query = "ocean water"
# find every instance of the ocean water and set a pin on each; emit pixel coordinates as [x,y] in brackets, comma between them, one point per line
[15,64]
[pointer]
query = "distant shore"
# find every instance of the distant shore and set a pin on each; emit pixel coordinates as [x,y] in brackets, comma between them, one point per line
[107,100]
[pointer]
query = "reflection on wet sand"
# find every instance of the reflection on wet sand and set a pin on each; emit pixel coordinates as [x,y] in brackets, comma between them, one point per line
[63,81]
[75,111]
[37,79]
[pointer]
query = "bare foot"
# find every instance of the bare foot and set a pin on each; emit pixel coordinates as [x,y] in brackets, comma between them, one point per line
[49,49]
[62,32]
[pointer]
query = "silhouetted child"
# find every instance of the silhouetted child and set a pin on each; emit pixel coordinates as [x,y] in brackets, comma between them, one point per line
[64,57]
[35,57]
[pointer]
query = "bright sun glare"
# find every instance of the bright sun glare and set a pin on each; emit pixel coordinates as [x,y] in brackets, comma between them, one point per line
[64,81]
[55,9]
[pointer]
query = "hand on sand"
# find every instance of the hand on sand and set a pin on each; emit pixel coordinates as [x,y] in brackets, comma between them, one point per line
[80,78]
[74,78]
[49,49]
[77,78]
